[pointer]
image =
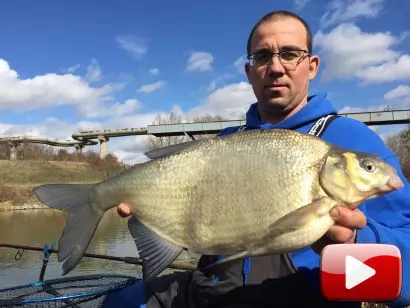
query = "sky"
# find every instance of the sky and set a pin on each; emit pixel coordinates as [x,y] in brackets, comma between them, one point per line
[69,66]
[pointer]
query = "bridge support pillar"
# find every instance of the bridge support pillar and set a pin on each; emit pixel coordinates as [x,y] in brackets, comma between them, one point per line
[13,150]
[79,149]
[190,136]
[103,146]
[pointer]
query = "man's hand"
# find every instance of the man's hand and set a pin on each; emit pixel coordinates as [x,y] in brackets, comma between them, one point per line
[124,210]
[345,229]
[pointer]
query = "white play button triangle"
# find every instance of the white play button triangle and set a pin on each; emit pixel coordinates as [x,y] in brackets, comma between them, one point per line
[357,272]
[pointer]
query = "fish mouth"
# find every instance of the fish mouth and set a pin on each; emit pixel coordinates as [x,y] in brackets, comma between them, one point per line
[393,183]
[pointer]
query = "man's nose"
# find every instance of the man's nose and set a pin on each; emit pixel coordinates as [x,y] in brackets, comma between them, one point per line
[275,66]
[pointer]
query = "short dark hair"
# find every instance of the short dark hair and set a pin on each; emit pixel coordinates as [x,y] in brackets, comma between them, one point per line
[276,15]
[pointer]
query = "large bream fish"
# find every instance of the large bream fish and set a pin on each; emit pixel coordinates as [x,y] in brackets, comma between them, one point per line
[256,192]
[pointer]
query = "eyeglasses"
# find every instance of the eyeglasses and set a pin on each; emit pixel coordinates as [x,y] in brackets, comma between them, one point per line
[263,58]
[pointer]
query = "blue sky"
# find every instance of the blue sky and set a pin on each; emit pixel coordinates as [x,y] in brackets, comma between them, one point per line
[79,65]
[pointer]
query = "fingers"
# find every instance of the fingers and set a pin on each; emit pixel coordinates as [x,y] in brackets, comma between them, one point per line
[345,228]
[347,221]
[123,210]
[352,219]
[341,234]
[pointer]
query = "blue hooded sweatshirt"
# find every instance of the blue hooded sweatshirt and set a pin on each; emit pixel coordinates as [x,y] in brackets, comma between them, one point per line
[388,217]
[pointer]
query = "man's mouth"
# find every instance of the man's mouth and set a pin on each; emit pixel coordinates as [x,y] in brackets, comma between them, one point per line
[275,87]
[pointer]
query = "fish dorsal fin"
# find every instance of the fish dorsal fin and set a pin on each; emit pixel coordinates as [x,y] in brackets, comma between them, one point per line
[172,149]
[156,253]
[176,148]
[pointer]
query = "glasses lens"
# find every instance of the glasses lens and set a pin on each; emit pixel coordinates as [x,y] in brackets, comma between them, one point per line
[291,56]
[261,58]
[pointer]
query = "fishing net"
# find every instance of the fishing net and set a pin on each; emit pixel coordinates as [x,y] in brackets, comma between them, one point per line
[89,291]
[81,291]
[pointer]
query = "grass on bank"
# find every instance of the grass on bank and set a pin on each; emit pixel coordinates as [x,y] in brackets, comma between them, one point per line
[40,164]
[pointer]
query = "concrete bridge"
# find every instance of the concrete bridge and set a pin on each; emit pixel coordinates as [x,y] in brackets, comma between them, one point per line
[14,142]
[86,138]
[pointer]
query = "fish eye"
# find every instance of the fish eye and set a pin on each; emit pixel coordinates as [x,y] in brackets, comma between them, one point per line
[368,165]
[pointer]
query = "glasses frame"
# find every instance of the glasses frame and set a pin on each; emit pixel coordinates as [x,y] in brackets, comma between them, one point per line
[278,54]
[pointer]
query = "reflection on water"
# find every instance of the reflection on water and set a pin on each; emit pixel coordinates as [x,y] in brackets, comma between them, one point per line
[39,227]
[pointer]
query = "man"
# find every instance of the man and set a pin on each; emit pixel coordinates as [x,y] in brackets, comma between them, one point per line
[280,67]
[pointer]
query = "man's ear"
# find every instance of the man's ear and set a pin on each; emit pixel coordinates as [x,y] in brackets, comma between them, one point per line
[248,72]
[313,66]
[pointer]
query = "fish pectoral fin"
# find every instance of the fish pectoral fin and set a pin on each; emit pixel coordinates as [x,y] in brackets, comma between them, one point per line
[155,252]
[301,217]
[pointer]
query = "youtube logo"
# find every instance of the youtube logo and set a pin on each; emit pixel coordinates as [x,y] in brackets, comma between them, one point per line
[361,272]
[356,272]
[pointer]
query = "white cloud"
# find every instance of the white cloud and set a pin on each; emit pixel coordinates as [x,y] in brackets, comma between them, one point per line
[94,72]
[72,69]
[212,85]
[401,91]
[117,109]
[300,4]
[399,97]
[51,89]
[200,61]
[154,71]
[149,88]
[218,81]
[230,101]
[349,10]
[395,69]
[129,149]
[136,46]
[348,52]
[239,64]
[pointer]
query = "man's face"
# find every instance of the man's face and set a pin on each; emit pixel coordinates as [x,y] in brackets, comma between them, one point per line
[280,88]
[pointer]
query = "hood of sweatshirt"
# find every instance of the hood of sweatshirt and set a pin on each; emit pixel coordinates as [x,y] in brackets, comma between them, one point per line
[318,106]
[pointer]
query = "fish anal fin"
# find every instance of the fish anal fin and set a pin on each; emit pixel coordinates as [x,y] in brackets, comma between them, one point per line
[155,252]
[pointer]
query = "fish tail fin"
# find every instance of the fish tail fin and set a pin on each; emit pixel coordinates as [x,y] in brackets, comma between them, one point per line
[82,221]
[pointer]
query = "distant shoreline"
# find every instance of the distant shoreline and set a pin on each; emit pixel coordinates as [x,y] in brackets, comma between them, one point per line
[18,178]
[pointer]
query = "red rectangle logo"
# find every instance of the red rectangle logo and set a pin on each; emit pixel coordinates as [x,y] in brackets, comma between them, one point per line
[361,272]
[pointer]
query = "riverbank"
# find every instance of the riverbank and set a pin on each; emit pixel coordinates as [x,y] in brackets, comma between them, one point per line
[18,178]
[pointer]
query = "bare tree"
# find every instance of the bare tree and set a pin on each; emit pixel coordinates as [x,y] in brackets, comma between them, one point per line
[207,118]
[4,150]
[159,142]
[400,145]
[30,151]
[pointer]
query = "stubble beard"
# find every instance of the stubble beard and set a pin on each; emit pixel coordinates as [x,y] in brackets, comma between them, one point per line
[278,108]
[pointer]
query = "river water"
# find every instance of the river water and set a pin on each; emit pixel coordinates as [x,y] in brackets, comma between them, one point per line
[45,226]
[39,227]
